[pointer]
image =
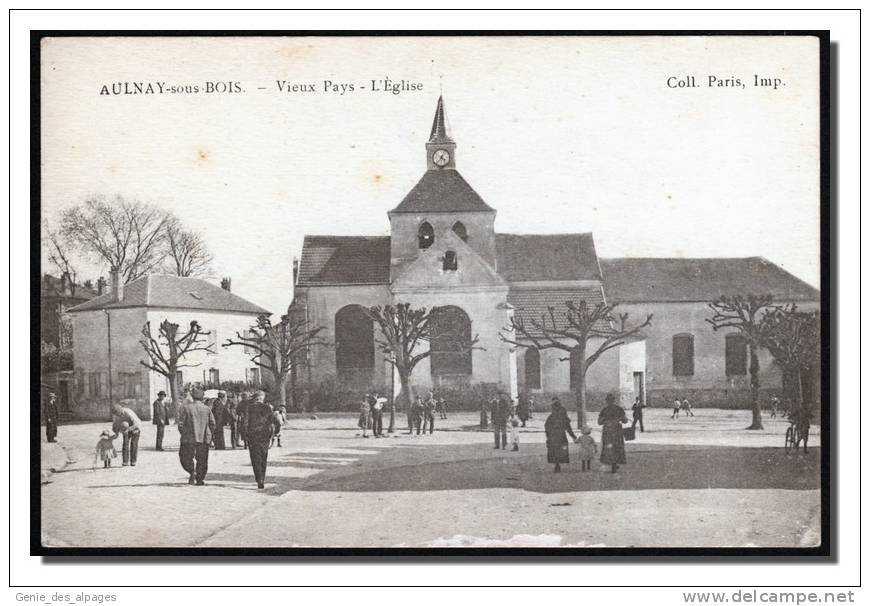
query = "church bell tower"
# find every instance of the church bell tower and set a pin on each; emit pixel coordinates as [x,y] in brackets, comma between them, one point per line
[440,149]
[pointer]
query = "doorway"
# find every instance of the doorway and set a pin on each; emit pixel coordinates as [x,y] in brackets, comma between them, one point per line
[639,391]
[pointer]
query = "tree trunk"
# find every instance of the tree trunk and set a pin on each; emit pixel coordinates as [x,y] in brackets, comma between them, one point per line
[281,385]
[581,399]
[392,426]
[173,387]
[753,388]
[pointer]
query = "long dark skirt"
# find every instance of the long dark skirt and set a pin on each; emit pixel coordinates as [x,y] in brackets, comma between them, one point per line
[557,452]
[612,444]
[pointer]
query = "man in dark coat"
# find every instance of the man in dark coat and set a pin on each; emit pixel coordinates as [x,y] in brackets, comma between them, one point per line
[242,415]
[219,410]
[50,413]
[196,426]
[523,409]
[611,419]
[500,413]
[160,417]
[259,429]
[637,413]
[232,420]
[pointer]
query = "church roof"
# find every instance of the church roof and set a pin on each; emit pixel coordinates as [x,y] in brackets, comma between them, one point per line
[439,132]
[337,260]
[173,292]
[441,191]
[679,279]
[542,257]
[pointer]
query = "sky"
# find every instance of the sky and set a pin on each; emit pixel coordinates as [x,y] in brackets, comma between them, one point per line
[558,134]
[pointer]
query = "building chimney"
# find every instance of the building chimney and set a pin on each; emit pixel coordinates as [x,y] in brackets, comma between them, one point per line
[117,287]
[101,285]
[226,284]
[295,270]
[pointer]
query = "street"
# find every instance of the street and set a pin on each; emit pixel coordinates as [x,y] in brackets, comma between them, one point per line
[689,482]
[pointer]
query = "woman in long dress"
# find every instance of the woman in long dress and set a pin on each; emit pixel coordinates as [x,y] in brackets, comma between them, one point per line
[556,427]
[611,419]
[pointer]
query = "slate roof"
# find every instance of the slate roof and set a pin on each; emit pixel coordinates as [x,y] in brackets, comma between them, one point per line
[335,260]
[439,132]
[173,292]
[532,304]
[440,191]
[524,258]
[678,279]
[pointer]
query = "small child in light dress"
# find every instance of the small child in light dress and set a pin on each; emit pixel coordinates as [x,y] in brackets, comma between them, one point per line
[515,433]
[278,418]
[588,449]
[105,450]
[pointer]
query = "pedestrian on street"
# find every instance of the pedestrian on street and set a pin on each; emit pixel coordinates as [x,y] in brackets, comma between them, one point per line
[378,415]
[279,417]
[364,409]
[500,415]
[442,408]
[429,413]
[160,417]
[523,409]
[196,427]
[416,415]
[51,413]
[242,415]
[611,418]
[774,406]
[637,413]
[232,419]
[677,406]
[219,410]
[259,429]
[131,433]
[557,427]
[105,450]
[484,419]
[687,407]
[515,432]
[588,448]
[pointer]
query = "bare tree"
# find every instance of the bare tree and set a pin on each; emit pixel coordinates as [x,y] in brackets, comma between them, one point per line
[128,236]
[743,313]
[575,329]
[167,351]
[277,348]
[402,330]
[794,340]
[187,254]
[58,255]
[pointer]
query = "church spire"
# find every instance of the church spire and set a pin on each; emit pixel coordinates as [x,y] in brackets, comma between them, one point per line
[440,149]
[439,132]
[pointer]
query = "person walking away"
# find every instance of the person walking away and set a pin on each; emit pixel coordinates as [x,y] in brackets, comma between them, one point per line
[637,414]
[105,450]
[241,416]
[588,448]
[130,446]
[611,419]
[515,433]
[196,425]
[774,406]
[687,407]
[279,417]
[556,428]
[417,414]
[500,415]
[677,406]
[219,410]
[484,419]
[523,409]
[259,429]
[51,413]
[429,413]
[531,406]
[160,418]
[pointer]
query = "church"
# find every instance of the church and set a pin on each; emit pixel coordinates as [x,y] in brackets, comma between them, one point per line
[443,251]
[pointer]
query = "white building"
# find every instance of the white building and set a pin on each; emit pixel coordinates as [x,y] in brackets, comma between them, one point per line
[107,353]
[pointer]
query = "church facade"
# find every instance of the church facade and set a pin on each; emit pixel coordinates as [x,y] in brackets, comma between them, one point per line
[443,251]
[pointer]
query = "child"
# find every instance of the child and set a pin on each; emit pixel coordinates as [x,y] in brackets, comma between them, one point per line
[677,406]
[363,422]
[687,407]
[105,449]
[588,449]
[278,419]
[515,433]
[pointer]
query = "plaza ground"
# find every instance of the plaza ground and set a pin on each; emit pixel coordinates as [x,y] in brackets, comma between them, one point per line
[689,482]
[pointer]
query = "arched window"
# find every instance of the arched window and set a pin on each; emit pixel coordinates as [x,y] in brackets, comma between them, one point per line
[354,345]
[574,368]
[451,342]
[735,355]
[425,235]
[459,230]
[532,362]
[451,263]
[684,355]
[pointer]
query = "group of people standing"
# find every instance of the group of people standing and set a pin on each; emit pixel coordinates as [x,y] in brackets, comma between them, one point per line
[371,414]
[421,413]
[557,428]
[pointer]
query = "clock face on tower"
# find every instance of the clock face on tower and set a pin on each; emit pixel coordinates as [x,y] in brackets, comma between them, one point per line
[441,157]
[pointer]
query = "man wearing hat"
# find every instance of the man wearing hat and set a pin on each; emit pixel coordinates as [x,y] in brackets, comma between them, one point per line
[160,417]
[50,412]
[196,427]
[259,429]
